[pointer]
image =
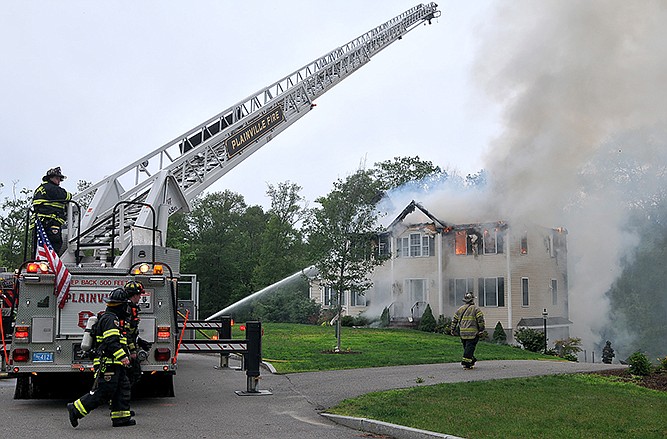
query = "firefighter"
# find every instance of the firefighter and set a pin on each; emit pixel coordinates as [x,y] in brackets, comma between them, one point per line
[138,348]
[50,205]
[468,321]
[111,367]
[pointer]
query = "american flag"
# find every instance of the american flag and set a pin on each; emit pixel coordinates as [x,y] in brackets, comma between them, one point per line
[45,252]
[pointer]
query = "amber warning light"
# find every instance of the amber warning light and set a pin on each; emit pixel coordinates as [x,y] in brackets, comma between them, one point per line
[37,267]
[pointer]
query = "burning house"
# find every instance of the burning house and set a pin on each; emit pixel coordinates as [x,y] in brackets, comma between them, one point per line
[516,272]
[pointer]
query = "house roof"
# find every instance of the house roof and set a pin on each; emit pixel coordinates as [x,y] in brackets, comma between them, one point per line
[411,208]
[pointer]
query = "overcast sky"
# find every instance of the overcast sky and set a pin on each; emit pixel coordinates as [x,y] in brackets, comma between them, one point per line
[92,86]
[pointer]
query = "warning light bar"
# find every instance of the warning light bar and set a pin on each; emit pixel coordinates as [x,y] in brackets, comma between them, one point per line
[147,269]
[37,267]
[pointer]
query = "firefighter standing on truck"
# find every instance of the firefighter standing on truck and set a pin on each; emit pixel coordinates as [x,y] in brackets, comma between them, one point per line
[50,205]
[111,366]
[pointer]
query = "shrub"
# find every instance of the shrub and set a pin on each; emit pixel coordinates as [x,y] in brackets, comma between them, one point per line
[427,322]
[384,318]
[568,348]
[347,321]
[443,325]
[639,364]
[499,336]
[663,363]
[531,339]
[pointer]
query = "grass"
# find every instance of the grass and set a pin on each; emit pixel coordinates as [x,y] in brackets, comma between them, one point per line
[303,348]
[562,406]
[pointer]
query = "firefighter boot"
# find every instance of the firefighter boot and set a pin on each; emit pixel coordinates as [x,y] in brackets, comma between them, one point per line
[74,415]
[126,422]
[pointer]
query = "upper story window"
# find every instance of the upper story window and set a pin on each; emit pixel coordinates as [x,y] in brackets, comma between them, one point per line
[493,241]
[473,242]
[415,245]
[384,244]
[524,243]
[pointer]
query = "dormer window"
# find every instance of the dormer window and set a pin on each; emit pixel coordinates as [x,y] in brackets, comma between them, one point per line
[415,245]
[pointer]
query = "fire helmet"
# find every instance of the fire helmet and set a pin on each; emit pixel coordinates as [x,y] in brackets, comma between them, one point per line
[469,297]
[53,172]
[117,296]
[133,287]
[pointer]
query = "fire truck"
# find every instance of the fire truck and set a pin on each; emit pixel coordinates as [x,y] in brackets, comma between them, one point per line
[117,228]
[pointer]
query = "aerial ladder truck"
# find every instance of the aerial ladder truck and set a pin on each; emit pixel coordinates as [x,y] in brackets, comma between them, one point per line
[115,234]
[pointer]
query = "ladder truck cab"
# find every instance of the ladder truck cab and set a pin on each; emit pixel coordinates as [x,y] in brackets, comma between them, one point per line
[117,228]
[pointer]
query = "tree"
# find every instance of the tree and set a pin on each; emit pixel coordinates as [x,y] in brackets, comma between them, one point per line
[400,171]
[13,227]
[342,235]
[499,335]
[282,249]
[220,241]
[290,304]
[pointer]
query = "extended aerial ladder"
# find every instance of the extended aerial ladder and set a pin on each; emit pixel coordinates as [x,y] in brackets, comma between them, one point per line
[167,179]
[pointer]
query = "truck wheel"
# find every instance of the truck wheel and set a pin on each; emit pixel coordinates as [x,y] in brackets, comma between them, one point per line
[22,389]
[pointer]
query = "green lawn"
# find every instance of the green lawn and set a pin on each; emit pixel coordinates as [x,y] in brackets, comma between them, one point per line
[561,406]
[306,348]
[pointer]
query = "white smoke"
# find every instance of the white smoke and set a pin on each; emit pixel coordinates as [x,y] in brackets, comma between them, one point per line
[581,87]
[572,77]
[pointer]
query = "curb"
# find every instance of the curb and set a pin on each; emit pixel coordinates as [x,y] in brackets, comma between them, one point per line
[385,428]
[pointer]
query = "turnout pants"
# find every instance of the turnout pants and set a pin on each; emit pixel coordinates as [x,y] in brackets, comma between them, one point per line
[469,346]
[111,384]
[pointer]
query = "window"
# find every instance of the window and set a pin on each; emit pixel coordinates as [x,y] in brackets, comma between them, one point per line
[357,299]
[493,241]
[458,288]
[524,243]
[460,241]
[468,242]
[329,297]
[524,291]
[415,245]
[384,245]
[416,289]
[491,291]
[554,292]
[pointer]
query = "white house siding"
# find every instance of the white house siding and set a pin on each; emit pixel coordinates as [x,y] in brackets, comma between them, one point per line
[539,265]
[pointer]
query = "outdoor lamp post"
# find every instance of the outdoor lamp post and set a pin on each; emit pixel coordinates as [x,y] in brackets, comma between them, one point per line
[544,318]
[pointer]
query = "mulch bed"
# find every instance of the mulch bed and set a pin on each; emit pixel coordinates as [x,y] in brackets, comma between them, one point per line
[655,381]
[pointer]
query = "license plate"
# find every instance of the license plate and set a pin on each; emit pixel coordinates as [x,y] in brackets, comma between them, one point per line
[42,357]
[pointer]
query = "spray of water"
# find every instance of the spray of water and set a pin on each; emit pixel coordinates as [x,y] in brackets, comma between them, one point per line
[308,272]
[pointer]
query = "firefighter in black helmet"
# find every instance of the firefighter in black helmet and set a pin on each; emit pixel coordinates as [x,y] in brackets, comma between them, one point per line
[50,205]
[137,346]
[111,363]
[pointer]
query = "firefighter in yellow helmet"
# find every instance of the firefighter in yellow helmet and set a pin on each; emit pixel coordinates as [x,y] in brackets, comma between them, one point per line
[111,363]
[50,205]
